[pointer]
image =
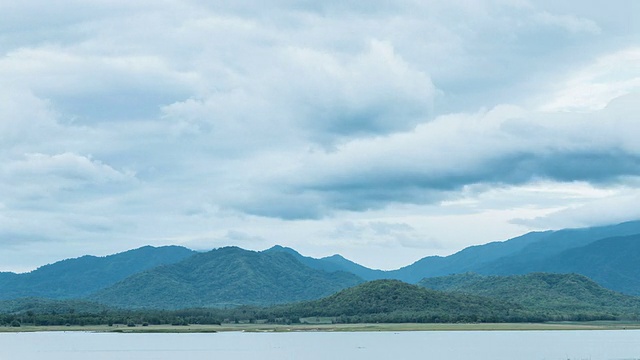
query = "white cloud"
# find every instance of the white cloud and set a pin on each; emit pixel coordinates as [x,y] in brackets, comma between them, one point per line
[66,166]
[320,95]
[24,118]
[89,87]
[571,23]
[618,207]
[593,86]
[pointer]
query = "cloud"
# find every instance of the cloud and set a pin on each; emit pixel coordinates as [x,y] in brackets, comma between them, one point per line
[382,234]
[131,123]
[63,195]
[211,240]
[570,23]
[376,92]
[47,180]
[617,208]
[592,87]
[504,146]
[24,118]
[324,97]
[66,166]
[121,86]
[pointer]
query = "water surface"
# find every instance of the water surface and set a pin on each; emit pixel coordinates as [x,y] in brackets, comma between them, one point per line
[440,345]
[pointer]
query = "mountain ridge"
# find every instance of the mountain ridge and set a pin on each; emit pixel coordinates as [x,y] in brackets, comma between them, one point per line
[610,261]
[78,277]
[225,276]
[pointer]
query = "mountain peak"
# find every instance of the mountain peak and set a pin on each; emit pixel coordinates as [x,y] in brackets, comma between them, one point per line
[280,248]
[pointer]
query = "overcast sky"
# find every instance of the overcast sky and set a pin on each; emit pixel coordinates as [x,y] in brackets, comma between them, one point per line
[382,130]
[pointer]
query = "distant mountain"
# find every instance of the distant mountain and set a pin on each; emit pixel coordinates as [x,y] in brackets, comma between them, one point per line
[540,292]
[75,278]
[333,263]
[519,255]
[467,259]
[611,262]
[223,277]
[557,242]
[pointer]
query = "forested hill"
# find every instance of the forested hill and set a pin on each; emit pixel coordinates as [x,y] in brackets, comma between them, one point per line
[540,292]
[225,277]
[472,298]
[79,277]
[396,301]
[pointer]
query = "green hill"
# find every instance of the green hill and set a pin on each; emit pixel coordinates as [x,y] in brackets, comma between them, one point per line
[225,277]
[557,294]
[396,301]
[79,277]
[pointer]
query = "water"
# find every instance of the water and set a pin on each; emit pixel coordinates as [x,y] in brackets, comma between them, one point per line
[439,345]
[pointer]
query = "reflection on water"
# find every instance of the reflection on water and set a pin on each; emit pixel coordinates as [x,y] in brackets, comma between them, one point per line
[454,345]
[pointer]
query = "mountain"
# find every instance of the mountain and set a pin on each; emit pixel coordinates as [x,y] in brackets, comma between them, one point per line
[531,252]
[6,278]
[354,268]
[529,258]
[225,276]
[607,254]
[519,255]
[333,263]
[540,292]
[75,278]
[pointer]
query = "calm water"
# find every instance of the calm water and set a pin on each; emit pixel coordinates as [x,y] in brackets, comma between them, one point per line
[458,345]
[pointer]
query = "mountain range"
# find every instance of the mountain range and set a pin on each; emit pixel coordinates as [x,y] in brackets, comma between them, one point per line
[606,254]
[79,277]
[175,277]
[225,277]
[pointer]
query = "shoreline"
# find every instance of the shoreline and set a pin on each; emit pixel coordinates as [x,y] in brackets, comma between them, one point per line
[268,328]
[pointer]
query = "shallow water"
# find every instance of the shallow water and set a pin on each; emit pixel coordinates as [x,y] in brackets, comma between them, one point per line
[454,345]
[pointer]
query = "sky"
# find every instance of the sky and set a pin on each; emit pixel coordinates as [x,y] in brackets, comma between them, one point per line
[385,131]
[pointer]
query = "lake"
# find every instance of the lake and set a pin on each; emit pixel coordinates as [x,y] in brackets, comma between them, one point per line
[439,345]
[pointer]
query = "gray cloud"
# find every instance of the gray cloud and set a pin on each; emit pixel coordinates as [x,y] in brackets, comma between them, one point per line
[321,96]
[504,146]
